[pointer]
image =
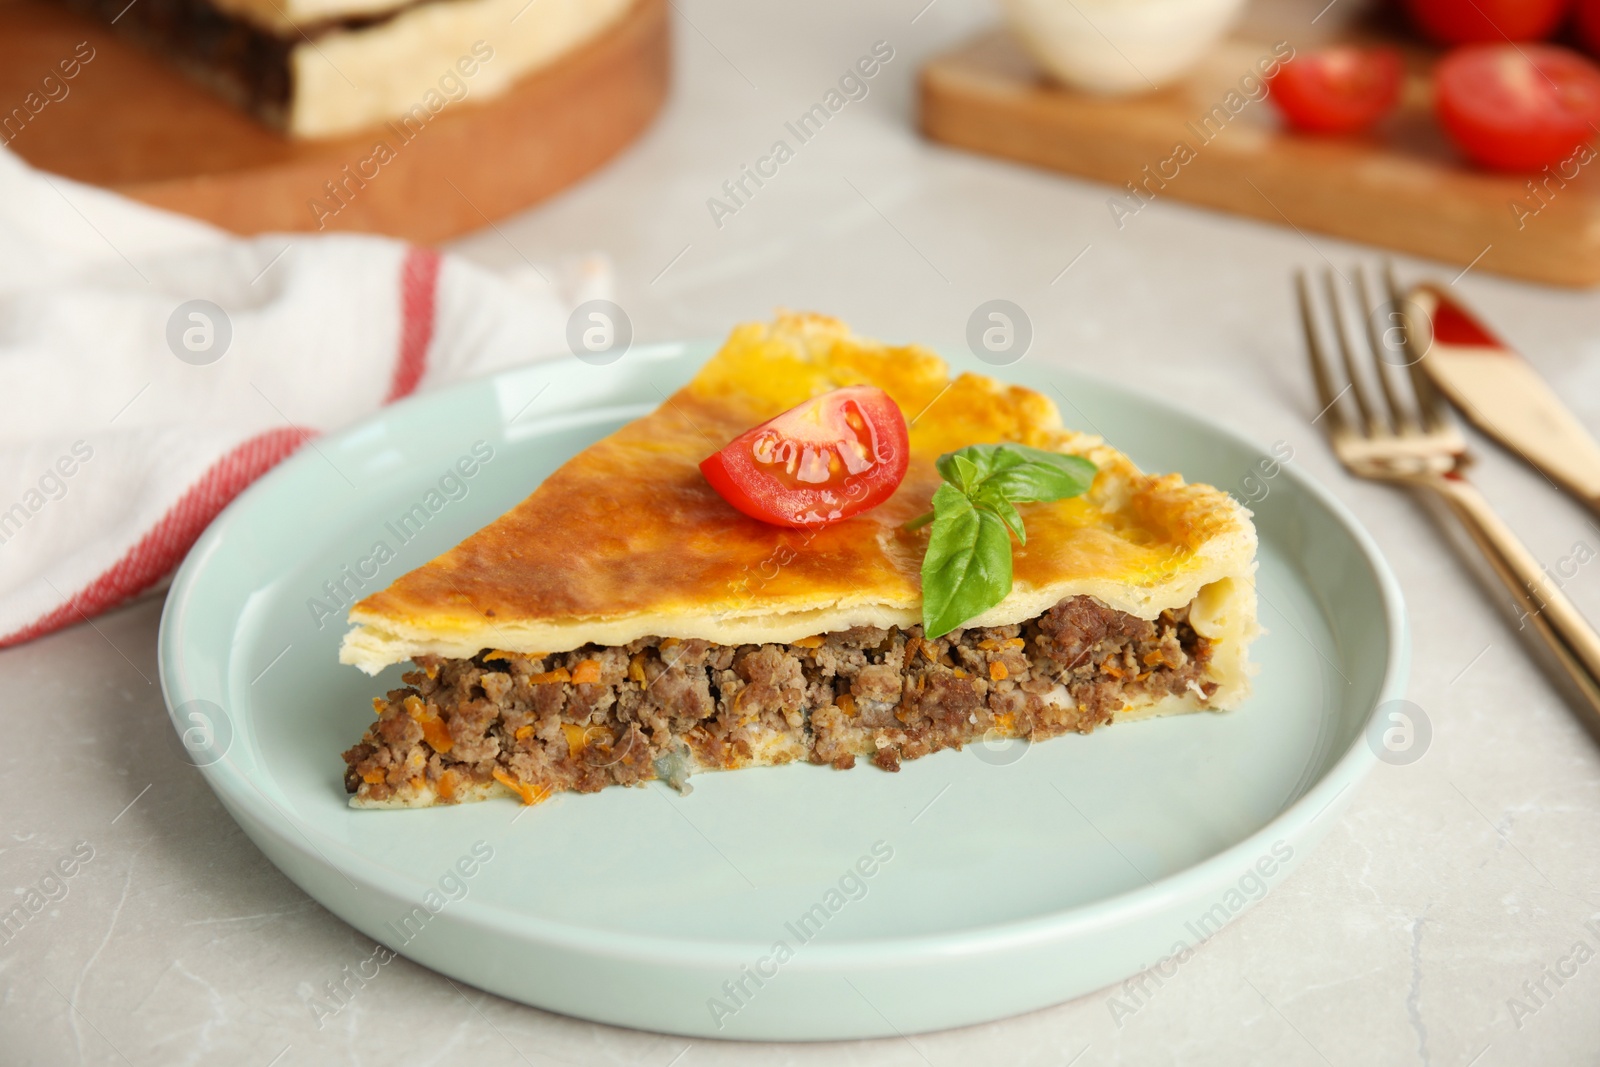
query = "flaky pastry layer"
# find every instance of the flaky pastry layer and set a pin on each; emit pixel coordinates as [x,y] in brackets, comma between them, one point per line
[627,540]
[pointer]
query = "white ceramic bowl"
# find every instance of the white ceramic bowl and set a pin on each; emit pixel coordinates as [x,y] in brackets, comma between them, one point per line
[1119,46]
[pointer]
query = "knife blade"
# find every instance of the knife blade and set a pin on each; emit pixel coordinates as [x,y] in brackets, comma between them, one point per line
[1500,392]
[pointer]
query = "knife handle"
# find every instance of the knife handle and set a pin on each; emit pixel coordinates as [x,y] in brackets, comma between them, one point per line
[1574,473]
[1553,617]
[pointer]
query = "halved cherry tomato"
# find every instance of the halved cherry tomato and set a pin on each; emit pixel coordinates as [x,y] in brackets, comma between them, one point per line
[1517,107]
[1337,90]
[834,456]
[1469,21]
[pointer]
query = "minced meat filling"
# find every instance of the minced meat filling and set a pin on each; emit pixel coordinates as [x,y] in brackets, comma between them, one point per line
[598,716]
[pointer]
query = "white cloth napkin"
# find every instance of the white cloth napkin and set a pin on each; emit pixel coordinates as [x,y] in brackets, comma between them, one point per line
[133,416]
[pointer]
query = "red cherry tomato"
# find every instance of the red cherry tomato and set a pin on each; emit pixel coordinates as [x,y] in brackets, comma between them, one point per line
[832,457]
[1469,21]
[1517,107]
[1337,90]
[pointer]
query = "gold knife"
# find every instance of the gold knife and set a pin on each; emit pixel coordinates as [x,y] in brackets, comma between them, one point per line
[1501,394]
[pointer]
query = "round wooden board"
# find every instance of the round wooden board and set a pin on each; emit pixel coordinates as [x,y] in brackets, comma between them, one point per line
[131,123]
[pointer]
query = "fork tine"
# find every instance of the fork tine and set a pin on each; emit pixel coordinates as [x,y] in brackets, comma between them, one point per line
[1336,309]
[1399,415]
[1319,362]
[1429,402]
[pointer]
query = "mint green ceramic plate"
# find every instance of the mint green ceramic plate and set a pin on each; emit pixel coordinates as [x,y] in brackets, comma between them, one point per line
[793,902]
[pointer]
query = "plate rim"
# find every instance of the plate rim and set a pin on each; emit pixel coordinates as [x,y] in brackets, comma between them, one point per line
[1119,909]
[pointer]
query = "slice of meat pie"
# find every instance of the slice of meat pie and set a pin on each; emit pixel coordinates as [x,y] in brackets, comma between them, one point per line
[325,68]
[625,623]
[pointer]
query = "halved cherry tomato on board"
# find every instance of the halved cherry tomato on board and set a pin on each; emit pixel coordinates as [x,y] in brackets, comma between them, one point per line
[834,456]
[1337,90]
[1517,107]
[1469,21]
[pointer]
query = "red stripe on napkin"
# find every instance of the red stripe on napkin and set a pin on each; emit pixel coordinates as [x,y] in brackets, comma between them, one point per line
[155,554]
[419,283]
[161,549]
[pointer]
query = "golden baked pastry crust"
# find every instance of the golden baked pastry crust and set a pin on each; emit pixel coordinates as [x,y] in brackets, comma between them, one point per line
[627,539]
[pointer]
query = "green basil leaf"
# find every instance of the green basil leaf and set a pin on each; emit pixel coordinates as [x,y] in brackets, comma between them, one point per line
[967,568]
[1039,474]
[969,475]
[1039,455]
[1032,481]
[959,470]
[991,500]
[967,468]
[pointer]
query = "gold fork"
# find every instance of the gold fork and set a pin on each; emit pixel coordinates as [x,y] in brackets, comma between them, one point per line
[1415,444]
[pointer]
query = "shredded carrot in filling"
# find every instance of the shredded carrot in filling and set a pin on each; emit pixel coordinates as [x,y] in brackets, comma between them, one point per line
[372,777]
[523,732]
[997,671]
[437,734]
[496,654]
[847,704]
[558,675]
[577,738]
[587,672]
[434,730]
[378,705]
[808,642]
[524,791]
[1111,668]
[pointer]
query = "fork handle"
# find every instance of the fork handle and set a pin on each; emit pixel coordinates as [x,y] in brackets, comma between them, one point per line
[1553,617]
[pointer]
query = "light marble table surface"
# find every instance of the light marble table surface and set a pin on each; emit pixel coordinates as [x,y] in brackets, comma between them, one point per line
[1405,938]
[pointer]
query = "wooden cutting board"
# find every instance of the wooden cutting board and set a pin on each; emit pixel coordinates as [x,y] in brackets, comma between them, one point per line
[1402,187]
[131,123]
